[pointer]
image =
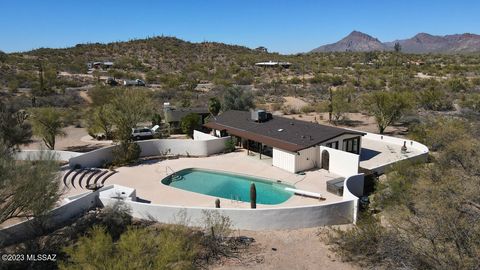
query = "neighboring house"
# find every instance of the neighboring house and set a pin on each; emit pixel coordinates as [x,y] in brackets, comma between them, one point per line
[273,64]
[173,116]
[293,145]
[99,65]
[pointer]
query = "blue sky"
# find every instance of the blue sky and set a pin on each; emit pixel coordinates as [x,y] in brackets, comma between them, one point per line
[281,26]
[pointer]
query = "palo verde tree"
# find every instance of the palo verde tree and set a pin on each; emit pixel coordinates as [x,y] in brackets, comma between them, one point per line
[99,121]
[27,189]
[386,107]
[47,124]
[128,108]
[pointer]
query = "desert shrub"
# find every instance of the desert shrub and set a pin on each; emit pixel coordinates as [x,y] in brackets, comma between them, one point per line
[437,133]
[307,109]
[116,218]
[365,241]
[244,78]
[230,145]
[217,230]
[276,106]
[471,102]
[126,153]
[435,99]
[66,100]
[171,247]
[457,84]
[295,80]
[189,122]
[289,110]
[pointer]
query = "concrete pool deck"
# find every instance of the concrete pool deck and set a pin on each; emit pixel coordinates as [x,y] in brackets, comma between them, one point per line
[146,179]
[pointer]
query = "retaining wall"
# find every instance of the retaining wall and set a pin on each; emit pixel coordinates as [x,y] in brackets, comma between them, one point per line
[30,228]
[250,219]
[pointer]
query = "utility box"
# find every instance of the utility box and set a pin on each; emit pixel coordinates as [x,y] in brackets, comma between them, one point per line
[335,186]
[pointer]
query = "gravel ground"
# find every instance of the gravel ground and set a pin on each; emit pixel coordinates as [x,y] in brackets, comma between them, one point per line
[286,249]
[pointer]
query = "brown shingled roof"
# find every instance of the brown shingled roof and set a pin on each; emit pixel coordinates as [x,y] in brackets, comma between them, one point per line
[280,132]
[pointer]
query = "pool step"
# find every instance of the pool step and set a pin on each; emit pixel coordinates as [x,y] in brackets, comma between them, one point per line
[176,177]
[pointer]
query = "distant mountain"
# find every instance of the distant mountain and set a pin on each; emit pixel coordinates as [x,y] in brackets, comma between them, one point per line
[420,43]
[354,42]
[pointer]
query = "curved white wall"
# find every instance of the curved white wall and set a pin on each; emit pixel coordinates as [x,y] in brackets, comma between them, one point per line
[421,148]
[398,141]
[250,219]
[352,190]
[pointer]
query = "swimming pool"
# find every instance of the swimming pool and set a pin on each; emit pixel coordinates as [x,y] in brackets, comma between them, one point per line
[228,185]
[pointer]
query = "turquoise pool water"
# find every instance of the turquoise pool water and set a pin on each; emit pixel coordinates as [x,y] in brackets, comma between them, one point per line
[228,185]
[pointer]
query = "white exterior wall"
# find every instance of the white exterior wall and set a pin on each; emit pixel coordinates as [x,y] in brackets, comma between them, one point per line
[306,160]
[341,138]
[284,160]
[200,136]
[341,162]
[311,158]
[39,154]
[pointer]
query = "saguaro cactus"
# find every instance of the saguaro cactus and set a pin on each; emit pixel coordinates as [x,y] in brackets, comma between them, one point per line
[253,196]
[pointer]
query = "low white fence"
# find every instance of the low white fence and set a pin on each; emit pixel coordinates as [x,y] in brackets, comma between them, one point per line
[203,147]
[41,154]
[398,141]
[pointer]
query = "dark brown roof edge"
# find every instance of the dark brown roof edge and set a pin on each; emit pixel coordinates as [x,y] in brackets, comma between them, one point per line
[269,140]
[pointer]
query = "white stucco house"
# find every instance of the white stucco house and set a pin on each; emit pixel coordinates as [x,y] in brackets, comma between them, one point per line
[293,145]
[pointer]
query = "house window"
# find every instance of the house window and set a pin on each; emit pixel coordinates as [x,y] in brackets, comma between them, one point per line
[333,145]
[352,145]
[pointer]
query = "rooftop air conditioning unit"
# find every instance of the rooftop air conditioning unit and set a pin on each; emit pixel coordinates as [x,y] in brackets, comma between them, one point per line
[259,115]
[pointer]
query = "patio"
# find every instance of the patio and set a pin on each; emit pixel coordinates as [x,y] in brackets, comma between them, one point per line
[146,179]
